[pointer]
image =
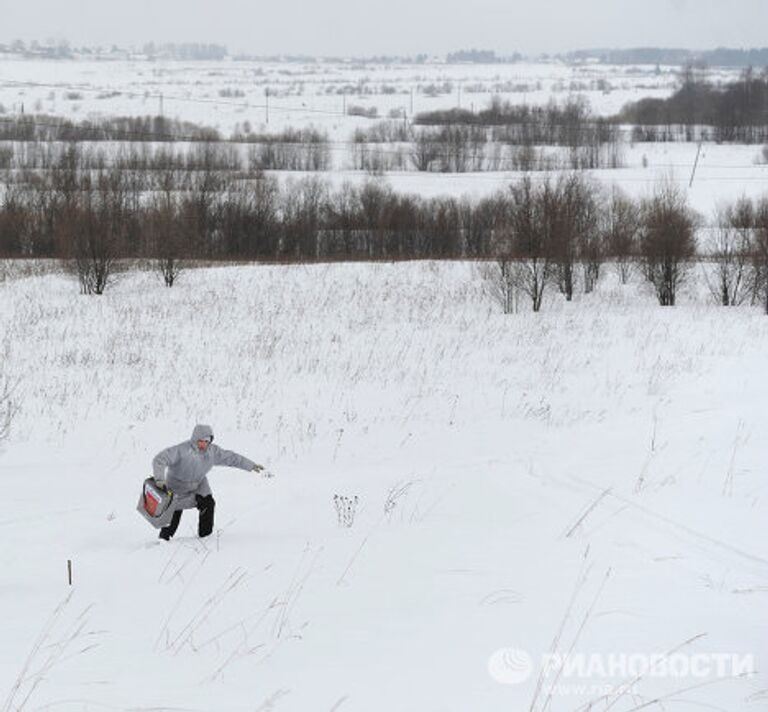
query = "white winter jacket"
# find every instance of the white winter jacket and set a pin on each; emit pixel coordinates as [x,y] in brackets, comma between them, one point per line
[183,467]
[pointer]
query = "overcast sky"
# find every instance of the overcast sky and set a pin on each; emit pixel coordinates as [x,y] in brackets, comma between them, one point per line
[357,27]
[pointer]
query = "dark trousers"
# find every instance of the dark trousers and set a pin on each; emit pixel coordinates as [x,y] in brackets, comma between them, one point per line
[206,506]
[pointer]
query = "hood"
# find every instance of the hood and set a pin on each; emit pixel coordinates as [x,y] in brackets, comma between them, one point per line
[201,432]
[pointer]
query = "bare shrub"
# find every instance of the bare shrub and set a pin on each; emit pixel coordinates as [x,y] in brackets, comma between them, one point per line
[291,150]
[16,219]
[526,241]
[9,406]
[621,226]
[760,254]
[730,253]
[165,239]
[450,149]
[393,130]
[91,231]
[6,157]
[667,241]
[346,509]
[571,208]
[501,279]
[592,255]
[369,113]
[377,160]
[424,151]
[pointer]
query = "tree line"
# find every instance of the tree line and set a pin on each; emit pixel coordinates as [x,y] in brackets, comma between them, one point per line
[502,136]
[698,110]
[561,233]
[390,144]
[47,128]
[554,232]
[736,112]
[720,57]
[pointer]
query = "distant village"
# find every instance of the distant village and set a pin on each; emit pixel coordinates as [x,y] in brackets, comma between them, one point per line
[197,51]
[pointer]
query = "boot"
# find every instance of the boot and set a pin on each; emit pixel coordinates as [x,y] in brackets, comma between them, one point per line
[206,505]
[167,532]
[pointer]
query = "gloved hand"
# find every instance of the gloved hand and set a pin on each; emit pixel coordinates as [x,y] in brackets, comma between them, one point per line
[162,485]
[264,473]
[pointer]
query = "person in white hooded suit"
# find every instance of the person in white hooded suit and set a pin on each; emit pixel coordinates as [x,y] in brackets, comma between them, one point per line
[182,470]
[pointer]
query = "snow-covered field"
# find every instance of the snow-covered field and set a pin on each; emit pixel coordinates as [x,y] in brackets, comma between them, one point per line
[724,173]
[591,479]
[227,94]
[223,94]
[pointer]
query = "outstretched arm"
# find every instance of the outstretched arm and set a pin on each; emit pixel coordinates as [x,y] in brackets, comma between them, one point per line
[231,459]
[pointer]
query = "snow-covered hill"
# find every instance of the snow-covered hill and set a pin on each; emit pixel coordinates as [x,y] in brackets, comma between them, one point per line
[590,479]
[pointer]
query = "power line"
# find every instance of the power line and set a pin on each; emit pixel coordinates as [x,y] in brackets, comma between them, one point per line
[190,100]
[594,124]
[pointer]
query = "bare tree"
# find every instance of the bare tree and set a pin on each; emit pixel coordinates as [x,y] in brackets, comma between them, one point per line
[424,152]
[9,405]
[501,276]
[525,242]
[164,227]
[250,224]
[667,241]
[500,279]
[201,208]
[304,205]
[760,253]
[573,206]
[15,223]
[731,252]
[621,225]
[91,228]
[592,255]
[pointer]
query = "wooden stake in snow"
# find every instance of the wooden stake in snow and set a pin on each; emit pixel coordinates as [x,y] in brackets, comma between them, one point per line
[69,571]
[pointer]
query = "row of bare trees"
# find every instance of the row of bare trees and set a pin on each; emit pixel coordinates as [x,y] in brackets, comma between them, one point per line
[291,150]
[93,219]
[558,232]
[700,110]
[553,232]
[480,139]
[547,231]
[45,128]
[737,253]
[524,138]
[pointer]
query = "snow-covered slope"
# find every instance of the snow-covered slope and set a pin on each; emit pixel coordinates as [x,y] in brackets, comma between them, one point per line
[594,475]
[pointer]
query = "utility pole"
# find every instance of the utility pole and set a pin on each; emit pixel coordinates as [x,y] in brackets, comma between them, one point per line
[266,104]
[695,164]
[161,104]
